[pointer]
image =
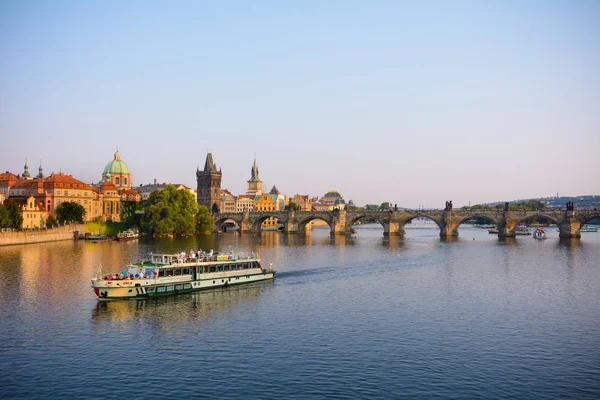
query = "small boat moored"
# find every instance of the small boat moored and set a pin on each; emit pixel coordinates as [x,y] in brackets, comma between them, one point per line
[127,235]
[539,233]
[522,230]
[588,228]
[166,274]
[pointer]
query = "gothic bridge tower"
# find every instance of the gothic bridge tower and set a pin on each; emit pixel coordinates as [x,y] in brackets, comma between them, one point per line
[209,185]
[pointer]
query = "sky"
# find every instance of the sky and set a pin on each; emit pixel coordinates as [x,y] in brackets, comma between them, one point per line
[408,102]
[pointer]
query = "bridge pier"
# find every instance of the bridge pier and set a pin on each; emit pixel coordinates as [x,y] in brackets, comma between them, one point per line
[448,227]
[291,226]
[393,228]
[570,227]
[338,223]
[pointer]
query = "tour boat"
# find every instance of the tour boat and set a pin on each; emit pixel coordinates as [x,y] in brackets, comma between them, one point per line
[165,274]
[522,230]
[127,235]
[493,230]
[588,228]
[539,233]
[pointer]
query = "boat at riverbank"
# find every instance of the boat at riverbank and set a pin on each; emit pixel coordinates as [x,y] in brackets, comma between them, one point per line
[588,228]
[522,230]
[166,274]
[127,235]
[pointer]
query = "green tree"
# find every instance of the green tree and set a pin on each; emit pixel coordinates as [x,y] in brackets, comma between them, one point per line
[170,212]
[128,212]
[292,206]
[204,220]
[371,207]
[3,217]
[14,215]
[51,221]
[70,212]
[385,206]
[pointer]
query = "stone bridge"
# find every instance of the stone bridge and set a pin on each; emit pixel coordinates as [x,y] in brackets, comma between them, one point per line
[340,222]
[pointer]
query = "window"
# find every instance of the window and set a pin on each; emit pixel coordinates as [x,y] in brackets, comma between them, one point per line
[117,180]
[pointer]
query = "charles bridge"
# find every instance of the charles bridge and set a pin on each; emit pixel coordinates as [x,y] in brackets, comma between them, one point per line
[569,221]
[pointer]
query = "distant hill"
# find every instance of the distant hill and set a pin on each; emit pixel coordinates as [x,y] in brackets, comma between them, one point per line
[587,202]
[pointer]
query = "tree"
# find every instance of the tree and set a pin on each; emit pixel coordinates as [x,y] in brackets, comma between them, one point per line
[385,206]
[170,212]
[3,217]
[130,215]
[204,220]
[292,206]
[70,211]
[51,221]
[14,215]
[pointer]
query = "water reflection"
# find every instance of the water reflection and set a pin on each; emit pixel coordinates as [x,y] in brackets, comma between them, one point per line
[169,311]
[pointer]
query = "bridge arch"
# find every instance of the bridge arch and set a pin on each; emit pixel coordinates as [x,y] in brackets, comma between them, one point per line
[305,221]
[589,216]
[265,215]
[461,220]
[381,221]
[537,215]
[221,219]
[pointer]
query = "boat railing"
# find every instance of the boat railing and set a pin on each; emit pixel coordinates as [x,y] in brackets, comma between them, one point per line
[191,257]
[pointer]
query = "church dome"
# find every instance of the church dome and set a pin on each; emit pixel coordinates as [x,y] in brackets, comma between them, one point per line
[116,166]
[332,195]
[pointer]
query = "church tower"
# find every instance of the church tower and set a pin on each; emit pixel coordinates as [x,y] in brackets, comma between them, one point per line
[26,174]
[254,184]
[209,185]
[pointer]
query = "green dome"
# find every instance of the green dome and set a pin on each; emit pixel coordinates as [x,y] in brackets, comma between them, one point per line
[116,166]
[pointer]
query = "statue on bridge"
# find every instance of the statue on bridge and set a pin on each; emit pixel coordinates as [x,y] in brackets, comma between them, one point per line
[448,206]
[506,206]
[570,206]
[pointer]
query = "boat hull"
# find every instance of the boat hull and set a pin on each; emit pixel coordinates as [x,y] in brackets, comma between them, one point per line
[154,287]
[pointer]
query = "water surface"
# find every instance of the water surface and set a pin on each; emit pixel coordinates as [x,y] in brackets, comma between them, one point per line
[347,317]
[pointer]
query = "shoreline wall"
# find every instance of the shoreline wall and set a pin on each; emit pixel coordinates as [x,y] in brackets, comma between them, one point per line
[40,236]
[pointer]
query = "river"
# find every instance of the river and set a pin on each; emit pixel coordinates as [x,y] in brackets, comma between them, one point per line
[362,317]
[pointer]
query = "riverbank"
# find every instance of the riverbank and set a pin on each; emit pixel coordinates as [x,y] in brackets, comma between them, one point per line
[40,236]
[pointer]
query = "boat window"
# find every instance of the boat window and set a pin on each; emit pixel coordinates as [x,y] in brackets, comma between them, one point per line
[169,287]
[160,289]
[220,268]
[150,290]
[178,287]
[177,271]
[213,268]
[186,271]
[161,273]
[187,286]
[254,264]
[169,272]
[245,265]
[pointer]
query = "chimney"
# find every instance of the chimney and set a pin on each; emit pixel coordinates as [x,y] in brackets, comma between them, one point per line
[155,181]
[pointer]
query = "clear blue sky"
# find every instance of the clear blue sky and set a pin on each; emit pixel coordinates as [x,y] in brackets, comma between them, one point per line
[411,102]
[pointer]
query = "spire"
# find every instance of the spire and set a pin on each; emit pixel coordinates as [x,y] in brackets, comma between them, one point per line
[117,155]
[26,170]
[209,165]
[41,171]
[274,190]
[254,172]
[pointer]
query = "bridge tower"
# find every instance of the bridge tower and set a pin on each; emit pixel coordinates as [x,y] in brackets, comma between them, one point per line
[209,185]
[254,184]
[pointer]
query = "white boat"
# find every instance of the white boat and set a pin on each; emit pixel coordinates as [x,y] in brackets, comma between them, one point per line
[522,230]
[493,230]
[127,235]
[588,228]
[165,274]
[539,233]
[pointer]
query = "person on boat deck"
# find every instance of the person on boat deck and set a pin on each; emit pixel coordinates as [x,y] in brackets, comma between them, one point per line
[141,274]
[210,254]
[182,255]
[192,254]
